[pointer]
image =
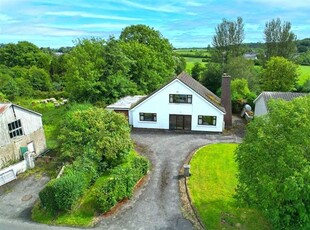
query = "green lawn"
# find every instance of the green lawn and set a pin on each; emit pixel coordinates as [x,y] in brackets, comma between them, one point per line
[212,187]
[304,74]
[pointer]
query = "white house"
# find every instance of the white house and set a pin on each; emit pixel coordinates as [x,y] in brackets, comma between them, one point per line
[181,104]
[21,130]
[262,100]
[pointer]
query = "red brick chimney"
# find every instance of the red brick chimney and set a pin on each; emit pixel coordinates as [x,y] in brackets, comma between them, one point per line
[226,100]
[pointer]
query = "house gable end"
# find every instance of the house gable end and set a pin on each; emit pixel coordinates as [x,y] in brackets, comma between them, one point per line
[187,86]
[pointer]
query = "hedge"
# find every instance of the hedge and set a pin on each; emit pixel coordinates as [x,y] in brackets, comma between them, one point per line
[121,184]
[60,194]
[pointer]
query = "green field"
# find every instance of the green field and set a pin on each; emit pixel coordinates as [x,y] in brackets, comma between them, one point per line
[212,187]
[190,61]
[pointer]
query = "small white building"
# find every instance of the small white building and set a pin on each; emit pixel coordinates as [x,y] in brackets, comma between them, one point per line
[262,100]
[21,130]
[181,104]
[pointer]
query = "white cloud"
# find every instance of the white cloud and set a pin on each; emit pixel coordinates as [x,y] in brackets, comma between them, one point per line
[193,3]
[103,26]
[88,15]
[160,8]
[284,3]
[5,19]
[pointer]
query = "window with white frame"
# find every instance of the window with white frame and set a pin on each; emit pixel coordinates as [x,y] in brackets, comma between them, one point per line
[148,117]
[206,120]
[15,129]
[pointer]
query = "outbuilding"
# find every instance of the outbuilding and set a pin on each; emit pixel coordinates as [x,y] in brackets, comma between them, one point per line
[262,100]
[21,130]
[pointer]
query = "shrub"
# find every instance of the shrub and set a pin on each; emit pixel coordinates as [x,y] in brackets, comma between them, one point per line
[60,194]
[121,184]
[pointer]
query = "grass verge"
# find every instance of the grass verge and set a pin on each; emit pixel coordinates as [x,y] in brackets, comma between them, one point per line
[212,187]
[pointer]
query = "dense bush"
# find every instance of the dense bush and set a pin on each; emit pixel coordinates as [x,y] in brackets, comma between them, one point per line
[241,95]
[60,194]
[97,134]
[121,183]
[274,164]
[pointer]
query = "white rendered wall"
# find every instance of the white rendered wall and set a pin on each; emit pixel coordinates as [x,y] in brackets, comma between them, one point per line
[30,123]
[260,107]
[159,103]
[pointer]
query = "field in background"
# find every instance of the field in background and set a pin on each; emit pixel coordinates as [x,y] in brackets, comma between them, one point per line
[304,71]
[190,61]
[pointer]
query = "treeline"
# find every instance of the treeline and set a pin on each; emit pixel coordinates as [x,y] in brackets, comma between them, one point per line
[137,62]
[276,58]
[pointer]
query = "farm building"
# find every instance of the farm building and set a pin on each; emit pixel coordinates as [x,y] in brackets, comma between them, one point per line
[181,104]
[262,100]
[21,130]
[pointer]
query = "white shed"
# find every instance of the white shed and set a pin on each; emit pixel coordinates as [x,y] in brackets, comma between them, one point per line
[21,129]
[262,100]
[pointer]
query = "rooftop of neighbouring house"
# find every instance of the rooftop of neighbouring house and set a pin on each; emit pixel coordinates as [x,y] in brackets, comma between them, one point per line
[126,102]
[288,96]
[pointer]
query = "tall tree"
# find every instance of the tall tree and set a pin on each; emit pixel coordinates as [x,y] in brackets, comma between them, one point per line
[98,70]
[239,67]
[279,39]
[274,164]
[84,65]
[152,56]
[212,77]
[228,39]
[279,74]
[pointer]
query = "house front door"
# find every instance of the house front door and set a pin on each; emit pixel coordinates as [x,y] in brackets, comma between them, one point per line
[180,122]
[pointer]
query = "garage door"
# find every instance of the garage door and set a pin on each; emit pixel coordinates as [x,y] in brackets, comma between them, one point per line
[7,177]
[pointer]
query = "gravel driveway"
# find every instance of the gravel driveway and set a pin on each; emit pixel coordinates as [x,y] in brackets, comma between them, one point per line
[156,205]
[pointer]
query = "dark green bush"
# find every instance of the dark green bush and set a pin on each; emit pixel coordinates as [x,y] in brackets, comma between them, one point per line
[60,194]
[47,196]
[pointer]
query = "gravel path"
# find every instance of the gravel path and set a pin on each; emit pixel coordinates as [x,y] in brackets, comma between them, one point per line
[156,205]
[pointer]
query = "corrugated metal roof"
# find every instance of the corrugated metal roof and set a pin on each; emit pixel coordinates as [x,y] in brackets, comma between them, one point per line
[126,102]
[288,96]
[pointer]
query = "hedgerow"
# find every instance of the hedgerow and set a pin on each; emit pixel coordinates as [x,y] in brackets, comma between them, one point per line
[121,183]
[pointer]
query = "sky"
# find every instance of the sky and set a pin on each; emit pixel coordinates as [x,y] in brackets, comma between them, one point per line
[186,23]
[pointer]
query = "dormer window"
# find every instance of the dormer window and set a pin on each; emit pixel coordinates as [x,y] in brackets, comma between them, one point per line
[180,98]
[15,129]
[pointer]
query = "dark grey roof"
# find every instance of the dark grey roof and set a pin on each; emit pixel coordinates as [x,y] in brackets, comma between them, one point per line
[197,87]
[288,96]
[201,90]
